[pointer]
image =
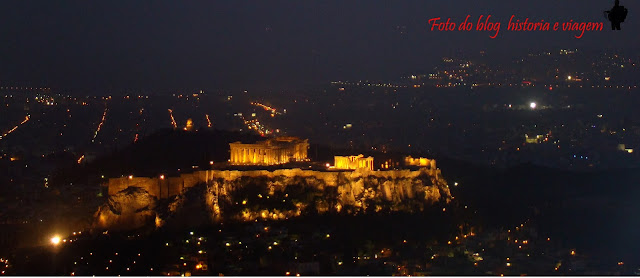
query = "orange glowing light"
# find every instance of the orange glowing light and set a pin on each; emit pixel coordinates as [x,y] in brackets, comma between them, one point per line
[26,119]
[104,117]
[173,120]
[208,121]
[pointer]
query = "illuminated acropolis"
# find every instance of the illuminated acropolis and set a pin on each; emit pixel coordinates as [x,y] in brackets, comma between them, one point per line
[273,151]
[353,162]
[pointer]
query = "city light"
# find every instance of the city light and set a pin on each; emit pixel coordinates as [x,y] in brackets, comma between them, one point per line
[189,125]
[104,117]
[266,108]
[209,124]
[173,120]
[26,119]
[55,240]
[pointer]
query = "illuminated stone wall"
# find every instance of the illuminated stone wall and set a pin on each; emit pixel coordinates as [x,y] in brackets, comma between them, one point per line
[133,201]
[353,162]
[421,161]
[162,188]
[274,151]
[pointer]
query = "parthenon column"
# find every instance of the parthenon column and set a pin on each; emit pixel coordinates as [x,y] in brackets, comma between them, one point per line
[234,155]
[244,155]
[263,156]
[253,155]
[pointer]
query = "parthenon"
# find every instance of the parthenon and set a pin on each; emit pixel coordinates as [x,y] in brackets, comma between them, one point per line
[273,151]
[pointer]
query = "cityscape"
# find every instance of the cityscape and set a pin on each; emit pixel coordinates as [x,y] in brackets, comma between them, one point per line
[472,162]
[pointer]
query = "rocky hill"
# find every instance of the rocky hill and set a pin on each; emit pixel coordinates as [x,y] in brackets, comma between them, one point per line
[273,195]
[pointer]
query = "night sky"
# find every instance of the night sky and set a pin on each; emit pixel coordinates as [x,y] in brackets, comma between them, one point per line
[166,45]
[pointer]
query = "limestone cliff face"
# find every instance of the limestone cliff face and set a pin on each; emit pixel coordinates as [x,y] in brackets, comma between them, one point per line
[277,195]
[129,209]
[285,194]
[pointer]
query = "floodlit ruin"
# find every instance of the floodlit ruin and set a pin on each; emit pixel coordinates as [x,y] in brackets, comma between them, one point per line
[273,151]
[243,194]
[247,195]
[354,162]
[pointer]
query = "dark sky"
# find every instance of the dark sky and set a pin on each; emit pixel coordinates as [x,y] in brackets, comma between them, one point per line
[167,45]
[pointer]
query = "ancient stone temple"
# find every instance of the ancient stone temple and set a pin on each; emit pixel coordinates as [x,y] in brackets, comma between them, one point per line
[353,162]
[273,151]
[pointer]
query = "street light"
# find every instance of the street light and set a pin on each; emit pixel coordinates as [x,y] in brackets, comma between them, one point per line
[55,240]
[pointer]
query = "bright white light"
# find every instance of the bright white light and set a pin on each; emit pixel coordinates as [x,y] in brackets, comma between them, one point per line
[533,105]
[55,240]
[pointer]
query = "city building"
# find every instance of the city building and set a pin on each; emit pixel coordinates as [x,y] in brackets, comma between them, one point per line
[533,140]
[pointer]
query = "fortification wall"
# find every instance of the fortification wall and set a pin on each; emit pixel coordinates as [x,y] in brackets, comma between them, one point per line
[245,194]
[166,187]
